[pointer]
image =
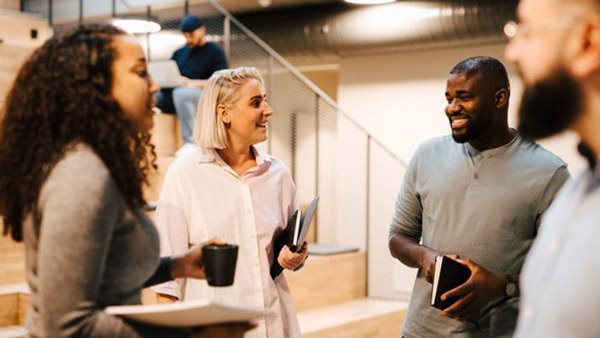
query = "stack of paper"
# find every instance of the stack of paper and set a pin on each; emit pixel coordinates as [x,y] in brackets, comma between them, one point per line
[187,314]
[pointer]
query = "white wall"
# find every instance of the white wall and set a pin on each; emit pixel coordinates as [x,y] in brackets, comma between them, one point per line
[399,98]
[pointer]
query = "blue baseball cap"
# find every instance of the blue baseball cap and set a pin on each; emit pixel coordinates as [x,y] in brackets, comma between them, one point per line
[190,23]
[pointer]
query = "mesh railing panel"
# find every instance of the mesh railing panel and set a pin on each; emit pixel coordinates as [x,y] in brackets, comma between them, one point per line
[327,170]
[387,277]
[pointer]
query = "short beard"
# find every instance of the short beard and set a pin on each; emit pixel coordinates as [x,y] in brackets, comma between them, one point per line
[464,138]
[550,105]
[475,129]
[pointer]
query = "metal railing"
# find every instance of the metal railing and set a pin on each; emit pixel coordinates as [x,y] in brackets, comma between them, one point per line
[328,152]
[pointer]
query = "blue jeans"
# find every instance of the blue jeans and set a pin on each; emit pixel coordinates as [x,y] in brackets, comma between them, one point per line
[182,101]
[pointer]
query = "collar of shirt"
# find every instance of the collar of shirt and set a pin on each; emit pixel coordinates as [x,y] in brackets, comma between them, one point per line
[208,155]
[594,169]
[488,153]
[588,154]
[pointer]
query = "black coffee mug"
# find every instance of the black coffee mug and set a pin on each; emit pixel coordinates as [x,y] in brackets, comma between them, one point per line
[219,263]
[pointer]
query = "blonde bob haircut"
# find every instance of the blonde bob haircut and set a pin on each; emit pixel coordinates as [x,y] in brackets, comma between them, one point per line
[222,88]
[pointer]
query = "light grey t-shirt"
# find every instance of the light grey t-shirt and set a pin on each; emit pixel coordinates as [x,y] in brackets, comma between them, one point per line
[560,284]
[481,205]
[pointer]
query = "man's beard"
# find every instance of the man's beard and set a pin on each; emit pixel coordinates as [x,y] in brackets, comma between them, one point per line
[473,131]
[550,105]
[476,127]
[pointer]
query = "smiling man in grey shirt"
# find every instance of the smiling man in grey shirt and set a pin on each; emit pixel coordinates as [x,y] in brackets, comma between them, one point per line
[477,194]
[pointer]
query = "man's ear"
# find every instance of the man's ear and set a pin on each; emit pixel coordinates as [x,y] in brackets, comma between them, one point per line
[223,114]
[586,60]
[501,98]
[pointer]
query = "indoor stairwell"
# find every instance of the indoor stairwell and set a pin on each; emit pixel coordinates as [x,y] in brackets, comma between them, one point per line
[336,295]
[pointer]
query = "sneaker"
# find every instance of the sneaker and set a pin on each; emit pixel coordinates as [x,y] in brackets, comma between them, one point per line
[185,149]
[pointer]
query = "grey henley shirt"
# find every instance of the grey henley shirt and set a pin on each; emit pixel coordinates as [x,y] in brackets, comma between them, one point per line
[481,205]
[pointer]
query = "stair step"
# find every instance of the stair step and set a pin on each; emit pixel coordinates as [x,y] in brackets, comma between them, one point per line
[326,280]
[13,331]
[15,301]
[354,319]
[323,281]
[364,317]
[166,135]
[9,312]
[152,192]
[12,260]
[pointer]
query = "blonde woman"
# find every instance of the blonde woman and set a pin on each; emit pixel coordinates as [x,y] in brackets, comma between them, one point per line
[229,189]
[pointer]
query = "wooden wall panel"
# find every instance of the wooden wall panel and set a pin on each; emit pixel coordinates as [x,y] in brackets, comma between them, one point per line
[12,260]
[9,314]
[326,280]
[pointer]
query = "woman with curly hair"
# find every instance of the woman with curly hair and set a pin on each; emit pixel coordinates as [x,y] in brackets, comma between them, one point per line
[74,154]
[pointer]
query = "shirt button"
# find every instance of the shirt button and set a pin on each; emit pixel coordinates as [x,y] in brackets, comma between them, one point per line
[475,176]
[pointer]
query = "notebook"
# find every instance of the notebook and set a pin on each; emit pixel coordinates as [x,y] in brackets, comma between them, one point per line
[192,313]
[294,234]
[165,73]
[448,275]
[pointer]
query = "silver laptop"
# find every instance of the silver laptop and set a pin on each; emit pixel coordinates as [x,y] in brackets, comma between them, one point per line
[165,73]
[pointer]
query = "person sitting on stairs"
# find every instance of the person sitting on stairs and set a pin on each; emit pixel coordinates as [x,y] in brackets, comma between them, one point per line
[197,61]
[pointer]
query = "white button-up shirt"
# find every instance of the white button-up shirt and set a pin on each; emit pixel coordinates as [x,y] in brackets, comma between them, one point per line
[202,197]
[560,284]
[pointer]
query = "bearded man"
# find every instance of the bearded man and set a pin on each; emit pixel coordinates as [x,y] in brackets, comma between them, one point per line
[477,194]
[556,47]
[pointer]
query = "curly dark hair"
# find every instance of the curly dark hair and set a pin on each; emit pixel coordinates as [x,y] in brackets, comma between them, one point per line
[62,97]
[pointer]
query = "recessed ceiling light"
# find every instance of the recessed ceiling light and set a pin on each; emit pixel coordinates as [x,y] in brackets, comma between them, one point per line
[370,2]
[137,26]
[264,3]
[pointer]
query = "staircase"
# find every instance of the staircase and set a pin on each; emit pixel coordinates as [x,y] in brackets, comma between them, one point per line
[330,296]
[329,292]
[16,43]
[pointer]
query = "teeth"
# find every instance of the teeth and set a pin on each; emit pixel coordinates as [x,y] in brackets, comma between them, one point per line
[459,122]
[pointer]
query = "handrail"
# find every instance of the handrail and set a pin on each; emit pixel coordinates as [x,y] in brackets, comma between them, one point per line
[273,53]
[302,78]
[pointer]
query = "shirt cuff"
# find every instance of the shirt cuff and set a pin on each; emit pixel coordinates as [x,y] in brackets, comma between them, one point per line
[172,288]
